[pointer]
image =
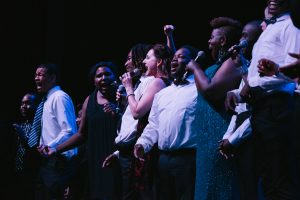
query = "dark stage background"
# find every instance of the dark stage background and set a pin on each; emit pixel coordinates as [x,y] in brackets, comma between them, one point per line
[77,34]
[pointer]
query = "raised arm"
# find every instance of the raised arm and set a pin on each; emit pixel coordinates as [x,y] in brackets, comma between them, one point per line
[226,78]
[168,30]
[140,107]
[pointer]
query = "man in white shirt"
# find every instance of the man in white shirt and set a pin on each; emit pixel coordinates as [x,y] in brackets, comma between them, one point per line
[173,125]
[271,98]
[58,124]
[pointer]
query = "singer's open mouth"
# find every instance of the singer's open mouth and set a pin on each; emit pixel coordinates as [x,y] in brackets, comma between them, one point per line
[174,67]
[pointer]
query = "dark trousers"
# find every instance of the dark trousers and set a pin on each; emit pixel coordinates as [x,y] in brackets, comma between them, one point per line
[176,174]
[271,122]
[246,171]
[130,182]
[294,148]
[54,176]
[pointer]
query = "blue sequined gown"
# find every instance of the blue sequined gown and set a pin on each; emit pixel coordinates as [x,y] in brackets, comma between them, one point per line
[214,174]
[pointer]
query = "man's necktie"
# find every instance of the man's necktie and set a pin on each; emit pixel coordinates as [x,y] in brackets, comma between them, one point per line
[35,132]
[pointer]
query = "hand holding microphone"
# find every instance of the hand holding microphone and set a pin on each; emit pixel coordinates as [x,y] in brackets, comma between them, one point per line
[199,59]
[125,87]
[126,78]
[119,96]
[233,51]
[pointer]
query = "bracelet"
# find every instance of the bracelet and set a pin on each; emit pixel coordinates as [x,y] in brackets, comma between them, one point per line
[131,94]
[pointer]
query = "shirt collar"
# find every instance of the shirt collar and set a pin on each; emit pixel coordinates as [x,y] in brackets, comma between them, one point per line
[189,79]
[52,90]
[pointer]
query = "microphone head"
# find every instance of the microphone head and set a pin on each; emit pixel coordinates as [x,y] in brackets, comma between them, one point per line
[200,53]
[200,56]
[136,72]
[121,87]
[243,44]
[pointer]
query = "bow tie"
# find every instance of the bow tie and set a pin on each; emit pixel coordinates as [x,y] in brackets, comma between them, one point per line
[272,20]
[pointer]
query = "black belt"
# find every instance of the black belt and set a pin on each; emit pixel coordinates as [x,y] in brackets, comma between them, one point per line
[179,151]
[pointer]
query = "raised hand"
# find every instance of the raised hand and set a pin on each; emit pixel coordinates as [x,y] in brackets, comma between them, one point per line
[168,30]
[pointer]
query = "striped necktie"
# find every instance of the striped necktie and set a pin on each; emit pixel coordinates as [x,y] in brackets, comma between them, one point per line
[35,132]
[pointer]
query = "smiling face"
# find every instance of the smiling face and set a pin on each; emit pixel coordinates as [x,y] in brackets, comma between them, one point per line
[277,7]
[215,42]
[129,63]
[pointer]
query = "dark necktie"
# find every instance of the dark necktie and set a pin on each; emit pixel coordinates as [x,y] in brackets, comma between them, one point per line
[35,132]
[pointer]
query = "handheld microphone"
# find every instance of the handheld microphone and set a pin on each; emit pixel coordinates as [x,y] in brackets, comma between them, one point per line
[199,58]
[121,89]
[135,73]
[243,44]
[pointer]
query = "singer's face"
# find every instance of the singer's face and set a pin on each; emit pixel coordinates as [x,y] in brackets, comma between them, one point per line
[151,63]
[179,62]
[215,42]
[129,64]
[44,81]
[104,78]
[250,33]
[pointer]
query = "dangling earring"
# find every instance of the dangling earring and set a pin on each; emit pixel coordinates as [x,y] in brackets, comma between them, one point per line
[221,53]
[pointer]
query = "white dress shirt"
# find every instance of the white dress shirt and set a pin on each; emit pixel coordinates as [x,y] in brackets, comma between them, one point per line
[58,120]
[173,119]
[128,125]
[275,42]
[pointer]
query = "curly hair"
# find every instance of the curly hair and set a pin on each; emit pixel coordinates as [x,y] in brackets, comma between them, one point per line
[231,28]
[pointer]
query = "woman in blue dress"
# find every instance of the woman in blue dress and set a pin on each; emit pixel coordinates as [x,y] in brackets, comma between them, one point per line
[215,174]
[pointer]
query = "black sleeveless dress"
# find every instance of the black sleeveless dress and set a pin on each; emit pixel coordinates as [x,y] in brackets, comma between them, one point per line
[102,130]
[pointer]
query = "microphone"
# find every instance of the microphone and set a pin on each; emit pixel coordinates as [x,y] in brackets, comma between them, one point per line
[135,73]
[121,89]
[199,58]
[243,44]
